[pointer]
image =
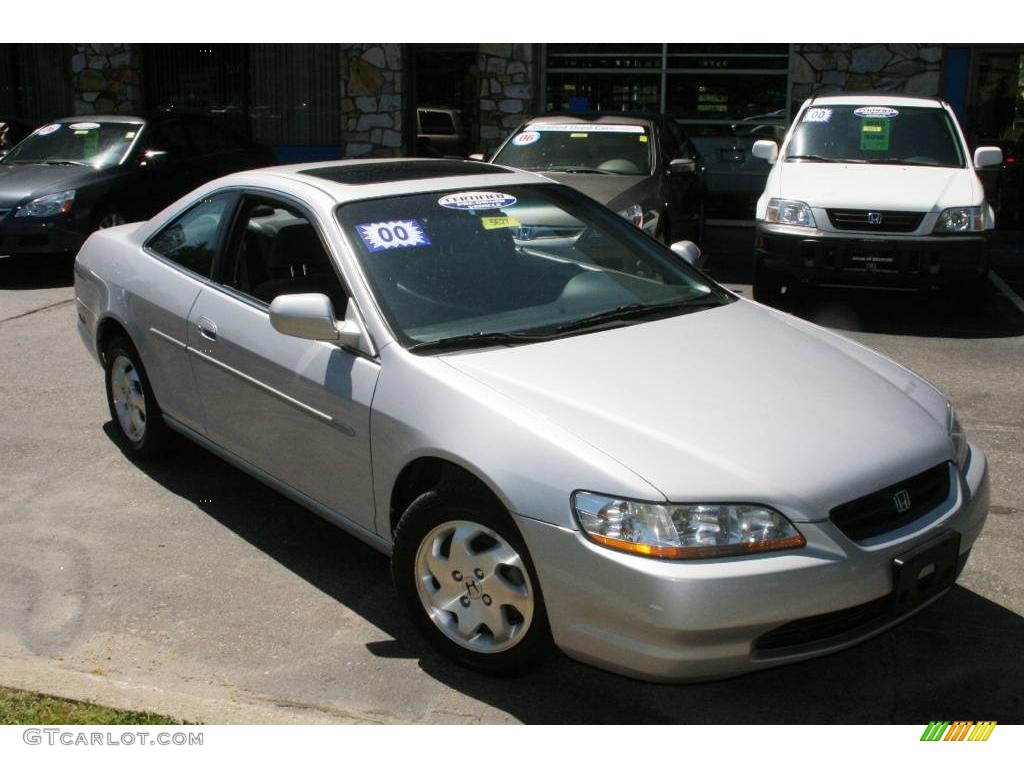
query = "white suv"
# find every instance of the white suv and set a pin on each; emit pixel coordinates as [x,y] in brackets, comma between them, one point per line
[875,190]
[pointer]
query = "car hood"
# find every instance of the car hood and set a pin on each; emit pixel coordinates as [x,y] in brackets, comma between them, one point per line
[735,403]
[888,187]
[615,191]
[22,182]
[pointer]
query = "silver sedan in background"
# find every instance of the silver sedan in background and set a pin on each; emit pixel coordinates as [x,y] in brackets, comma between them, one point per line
[561,431]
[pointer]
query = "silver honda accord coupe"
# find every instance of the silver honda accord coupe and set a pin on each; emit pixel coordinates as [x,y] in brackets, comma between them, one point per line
[561,432]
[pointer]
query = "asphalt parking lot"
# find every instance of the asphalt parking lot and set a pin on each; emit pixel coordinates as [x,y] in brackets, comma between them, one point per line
[191,589]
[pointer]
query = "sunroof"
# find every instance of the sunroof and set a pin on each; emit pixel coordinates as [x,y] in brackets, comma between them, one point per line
[382,173]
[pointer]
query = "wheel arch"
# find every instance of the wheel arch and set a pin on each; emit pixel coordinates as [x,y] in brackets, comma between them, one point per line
[108,329]
[426,473]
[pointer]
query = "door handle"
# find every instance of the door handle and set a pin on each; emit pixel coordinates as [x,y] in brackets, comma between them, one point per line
[207,328]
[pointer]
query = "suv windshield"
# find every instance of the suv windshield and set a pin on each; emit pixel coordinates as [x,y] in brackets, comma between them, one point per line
[876,134]
[579,148]
[479,266]
[98,144]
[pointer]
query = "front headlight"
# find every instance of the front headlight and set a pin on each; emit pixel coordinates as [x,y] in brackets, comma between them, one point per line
[48,205]
[959,438]
[683,531]
[633,213]
[961,220]
[791,212]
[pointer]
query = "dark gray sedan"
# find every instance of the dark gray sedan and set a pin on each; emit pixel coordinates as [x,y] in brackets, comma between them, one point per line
[642,166]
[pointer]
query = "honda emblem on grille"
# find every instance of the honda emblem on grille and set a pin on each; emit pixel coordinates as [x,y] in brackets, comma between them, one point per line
[901,500]
[874,217]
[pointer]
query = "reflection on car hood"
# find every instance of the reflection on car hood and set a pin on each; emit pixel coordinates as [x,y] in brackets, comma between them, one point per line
[888,187]
[606,188]
[21,182]
[735,403]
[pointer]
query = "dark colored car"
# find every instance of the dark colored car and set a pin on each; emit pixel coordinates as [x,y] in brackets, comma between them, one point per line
[642,166]
[12,130]
[75,175]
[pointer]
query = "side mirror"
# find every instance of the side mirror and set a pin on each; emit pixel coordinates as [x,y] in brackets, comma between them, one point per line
[311,316]
[682,166]
[477,156]
[986,157]
[153,158]
[688,251]
[766,150]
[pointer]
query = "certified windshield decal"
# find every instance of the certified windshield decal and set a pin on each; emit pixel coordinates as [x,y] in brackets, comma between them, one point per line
[817,115]
[46,130]
[876,112]
[477,200]
[587,128]
[526,138]
[84,126]
[386,235]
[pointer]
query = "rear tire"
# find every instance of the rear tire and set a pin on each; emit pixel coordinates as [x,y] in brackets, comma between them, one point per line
[462,569]
[138,421]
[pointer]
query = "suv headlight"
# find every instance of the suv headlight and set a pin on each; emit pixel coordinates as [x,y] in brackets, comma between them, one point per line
[961,220]
[959,438]
[791,212]
[48,205]
[633,213]
[683,531]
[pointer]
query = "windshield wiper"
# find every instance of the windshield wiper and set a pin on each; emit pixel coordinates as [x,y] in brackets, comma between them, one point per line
[478,339]
[635,311]
[898,161]
[579,169]
[823,159]
[62,162]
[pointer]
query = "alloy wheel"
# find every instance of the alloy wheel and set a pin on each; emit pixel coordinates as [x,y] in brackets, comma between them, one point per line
[474,586]
[129,398]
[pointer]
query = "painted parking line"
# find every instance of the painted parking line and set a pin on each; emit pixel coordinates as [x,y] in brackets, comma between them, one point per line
[1006,290]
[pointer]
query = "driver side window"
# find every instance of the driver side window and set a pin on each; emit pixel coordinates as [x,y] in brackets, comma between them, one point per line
[275,250]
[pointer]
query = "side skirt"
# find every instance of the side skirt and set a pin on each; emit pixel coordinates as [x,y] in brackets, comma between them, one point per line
[336,518]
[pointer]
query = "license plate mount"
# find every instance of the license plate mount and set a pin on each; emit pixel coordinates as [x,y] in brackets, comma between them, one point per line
[924,571]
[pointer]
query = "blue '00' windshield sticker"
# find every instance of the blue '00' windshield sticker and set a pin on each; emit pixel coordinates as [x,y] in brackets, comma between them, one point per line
[477,200]
[386,235]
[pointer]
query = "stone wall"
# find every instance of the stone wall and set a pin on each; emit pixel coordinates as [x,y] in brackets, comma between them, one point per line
[371,100]
[106,78]
[820,68]
[507,90]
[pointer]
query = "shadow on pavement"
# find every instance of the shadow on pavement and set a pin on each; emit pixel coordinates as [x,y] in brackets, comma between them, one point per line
[958,659]
[730,261]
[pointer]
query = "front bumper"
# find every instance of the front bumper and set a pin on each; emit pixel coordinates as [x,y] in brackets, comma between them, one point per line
[40,237]
[907,262]
[687,621]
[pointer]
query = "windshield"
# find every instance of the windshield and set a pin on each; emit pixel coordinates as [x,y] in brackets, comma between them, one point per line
[873,134]
[100,145]
[579,148]
[538,260]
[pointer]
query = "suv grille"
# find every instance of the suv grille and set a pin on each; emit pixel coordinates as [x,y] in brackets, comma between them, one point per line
[859,221]
[880,512]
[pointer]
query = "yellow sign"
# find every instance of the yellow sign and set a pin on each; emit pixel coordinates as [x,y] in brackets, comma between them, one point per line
[577,135]
[498,222]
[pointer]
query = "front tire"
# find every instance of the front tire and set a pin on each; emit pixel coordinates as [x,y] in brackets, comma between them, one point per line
[138,421]
[463,572]
[767,283]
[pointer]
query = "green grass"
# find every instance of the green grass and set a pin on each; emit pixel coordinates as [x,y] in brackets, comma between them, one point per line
[25,708]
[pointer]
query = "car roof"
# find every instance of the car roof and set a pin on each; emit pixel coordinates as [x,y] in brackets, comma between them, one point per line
[348,180]
[601,118]
[877,99]
[100,119]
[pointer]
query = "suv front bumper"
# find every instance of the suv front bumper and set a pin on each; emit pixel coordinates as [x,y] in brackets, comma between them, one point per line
[913,263]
